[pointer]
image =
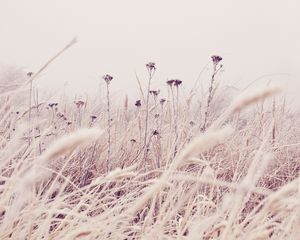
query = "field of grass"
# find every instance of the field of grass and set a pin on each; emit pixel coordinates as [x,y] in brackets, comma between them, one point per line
[166,166]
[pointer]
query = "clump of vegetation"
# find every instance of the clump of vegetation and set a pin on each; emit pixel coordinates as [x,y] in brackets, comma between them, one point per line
[161,169]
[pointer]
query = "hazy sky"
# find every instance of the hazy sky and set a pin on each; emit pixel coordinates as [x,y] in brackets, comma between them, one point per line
[254,37]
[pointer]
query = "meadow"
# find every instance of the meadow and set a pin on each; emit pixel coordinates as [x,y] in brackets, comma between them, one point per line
[168,165]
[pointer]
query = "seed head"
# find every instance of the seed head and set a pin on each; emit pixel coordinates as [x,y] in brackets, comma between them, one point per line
[177,82]
[93,117]
[52,105]
[107,78]
[79,103]
[216,59]
[138,103]
[154,92]
[162,101]
[151,66]
[170,82]
[155,133]
[29,74]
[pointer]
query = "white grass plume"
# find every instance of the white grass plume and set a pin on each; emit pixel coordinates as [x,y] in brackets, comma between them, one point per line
[252,96]
[245,99]
[69,142]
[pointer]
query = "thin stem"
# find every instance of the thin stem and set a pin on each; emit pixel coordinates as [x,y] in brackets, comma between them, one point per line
[147,113]
[109,127]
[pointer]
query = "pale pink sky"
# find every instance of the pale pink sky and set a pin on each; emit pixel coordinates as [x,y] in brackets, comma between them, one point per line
[255,38]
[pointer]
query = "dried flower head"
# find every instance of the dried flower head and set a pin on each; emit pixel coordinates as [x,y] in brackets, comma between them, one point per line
[107,78]
[154,92]
[93,117]
[170,82]
[162,101]
[138,103]
[151,66]
[155,133]
[177,82]
[29,74]
[60,115]
[79,103]
[51,105]
[216,59]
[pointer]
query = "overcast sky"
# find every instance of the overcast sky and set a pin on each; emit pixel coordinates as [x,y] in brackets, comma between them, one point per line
[255,38]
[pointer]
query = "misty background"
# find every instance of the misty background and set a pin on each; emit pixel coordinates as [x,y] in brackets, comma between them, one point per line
[258,40]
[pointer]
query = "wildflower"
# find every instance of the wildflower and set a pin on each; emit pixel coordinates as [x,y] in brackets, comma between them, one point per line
[138,103]
[154,92]
[216,59]
[155,133]
[60,115]
[29,74]
[162,101]
[170,82]
[177,82]
[79,103]
[151,66]
[107,78]
[93,117]
[52,105]
[192,123]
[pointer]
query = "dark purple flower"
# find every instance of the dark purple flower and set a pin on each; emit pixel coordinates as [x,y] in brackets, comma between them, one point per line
[107,78]
[52,105]
[151,66]
[170,82]
[155,133]
[79,103]
[93,117]
[192,123]
[138,103]
[154,92]
[29,74]
[60,115]
[177,82]
[216,59]
[162,101]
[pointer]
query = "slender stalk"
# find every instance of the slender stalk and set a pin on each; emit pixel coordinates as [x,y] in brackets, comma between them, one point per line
[151,69]
[107,78]
[147,109]
[108,127]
